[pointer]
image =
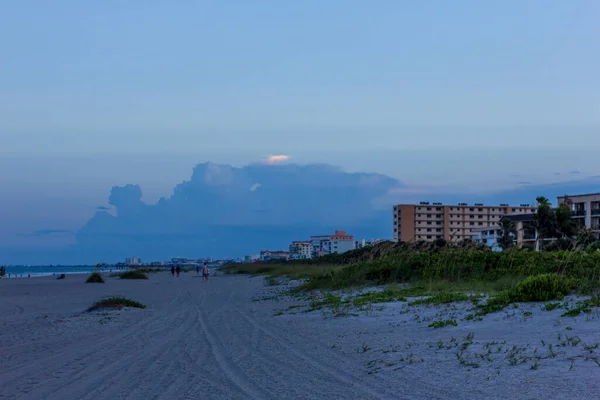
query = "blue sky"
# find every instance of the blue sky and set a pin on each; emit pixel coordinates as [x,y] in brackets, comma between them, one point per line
[469,95]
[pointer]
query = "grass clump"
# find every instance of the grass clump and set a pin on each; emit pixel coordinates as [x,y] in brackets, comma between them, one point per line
[542,287]
[133,275]
[95,277]
[551,306]
[385,296]
[115,303]
[584,306]
[443,298]
[441,324]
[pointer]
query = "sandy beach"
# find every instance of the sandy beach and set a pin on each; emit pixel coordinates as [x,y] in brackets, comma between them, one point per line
[235,338]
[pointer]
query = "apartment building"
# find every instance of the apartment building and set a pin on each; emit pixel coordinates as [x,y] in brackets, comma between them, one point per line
[430,222]
[300,250]
[339,242]
[585,209]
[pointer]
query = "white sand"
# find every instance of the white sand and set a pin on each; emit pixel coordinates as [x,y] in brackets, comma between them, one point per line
[214,342]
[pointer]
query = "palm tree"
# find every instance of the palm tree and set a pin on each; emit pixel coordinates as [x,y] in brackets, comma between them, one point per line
[544,222]
[509,231]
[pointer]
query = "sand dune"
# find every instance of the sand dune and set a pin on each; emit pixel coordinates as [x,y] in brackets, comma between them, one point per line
[216,341]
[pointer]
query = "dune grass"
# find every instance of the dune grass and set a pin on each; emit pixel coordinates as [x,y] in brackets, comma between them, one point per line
[115,303]
[95,277]
[291,270]
[133,275]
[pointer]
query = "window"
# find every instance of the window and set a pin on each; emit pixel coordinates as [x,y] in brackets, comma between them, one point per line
[438,230]
[481,224]
[428,215]
[481,209]
[428,229]
[429,237]
[395,229]
[472,223]
[428,222]
[471,209]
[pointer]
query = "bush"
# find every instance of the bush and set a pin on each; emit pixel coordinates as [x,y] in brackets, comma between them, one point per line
[95,277]
[115,302]
[544,287]
[133,275]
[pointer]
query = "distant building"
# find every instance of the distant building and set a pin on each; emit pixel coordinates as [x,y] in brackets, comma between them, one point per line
[489,236]
[133,261]
[430,222]
[359,244]
[268,255]
[339,242]
[585,209]
[251,258]
[300,250]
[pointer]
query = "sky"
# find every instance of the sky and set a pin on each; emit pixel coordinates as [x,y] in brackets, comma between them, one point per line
[466,95]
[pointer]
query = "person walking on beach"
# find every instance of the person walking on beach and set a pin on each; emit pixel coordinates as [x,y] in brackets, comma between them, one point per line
[178,270]
[197,270]
[172,271]
[205,272]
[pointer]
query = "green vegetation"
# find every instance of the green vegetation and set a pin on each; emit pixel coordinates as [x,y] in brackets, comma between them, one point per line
[386,296]
[134,274]
[95,277]
[551,306]
[289,270]
[542,287]
[584,306]
[441,324]
[443,298]
[115,302]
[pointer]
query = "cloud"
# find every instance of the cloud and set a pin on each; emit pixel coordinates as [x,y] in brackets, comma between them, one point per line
[255,186]
[276,159]
[46,232]
[525,183]
[575,172]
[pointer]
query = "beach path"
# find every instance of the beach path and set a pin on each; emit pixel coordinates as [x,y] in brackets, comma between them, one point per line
[193,340]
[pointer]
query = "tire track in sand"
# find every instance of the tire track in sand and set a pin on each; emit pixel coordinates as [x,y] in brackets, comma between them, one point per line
[233,373]
[345,378]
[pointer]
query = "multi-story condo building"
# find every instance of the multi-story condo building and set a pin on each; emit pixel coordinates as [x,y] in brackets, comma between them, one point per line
[585,209]
[430,222]
[339,242]
[300,250]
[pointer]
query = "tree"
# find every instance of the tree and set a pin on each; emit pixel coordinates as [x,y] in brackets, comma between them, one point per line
[509,231]
[544,221]
[565,225]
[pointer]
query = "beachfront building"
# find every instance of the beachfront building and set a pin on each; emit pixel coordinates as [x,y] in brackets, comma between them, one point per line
[268,255]
[339,242]
[360,243]
[300,250]
[133,261]
[430,222]
[526,232]
[585,209]
[489,237]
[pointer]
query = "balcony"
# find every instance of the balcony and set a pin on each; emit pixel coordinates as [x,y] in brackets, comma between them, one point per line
[578,213]
[596,211]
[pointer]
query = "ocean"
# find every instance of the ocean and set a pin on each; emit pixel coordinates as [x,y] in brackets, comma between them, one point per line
[33,271]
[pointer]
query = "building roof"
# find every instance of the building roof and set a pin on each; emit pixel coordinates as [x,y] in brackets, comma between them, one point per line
[520,217]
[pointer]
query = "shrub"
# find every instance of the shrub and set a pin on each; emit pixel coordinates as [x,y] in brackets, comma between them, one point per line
[544,287]
[441,324]
[95,277]
[133,275]
[115,302]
